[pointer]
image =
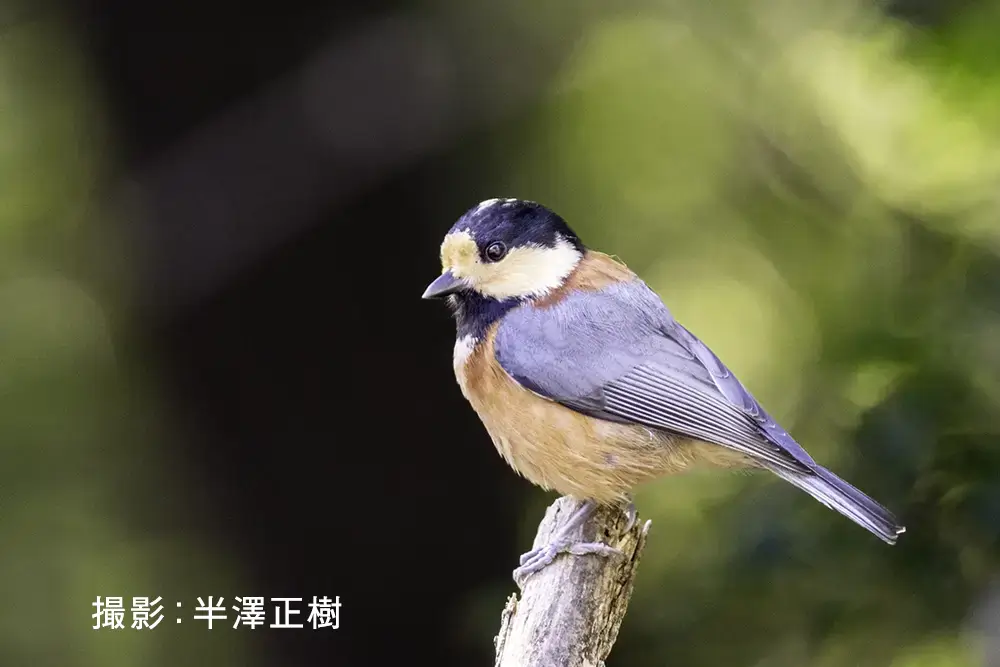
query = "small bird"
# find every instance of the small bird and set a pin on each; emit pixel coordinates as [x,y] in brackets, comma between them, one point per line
[588,386]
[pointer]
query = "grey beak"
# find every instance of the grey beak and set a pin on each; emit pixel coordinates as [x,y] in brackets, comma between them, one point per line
[444,285]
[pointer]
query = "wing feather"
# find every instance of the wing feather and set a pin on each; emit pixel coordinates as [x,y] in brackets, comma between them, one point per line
[618,354]
[650,397]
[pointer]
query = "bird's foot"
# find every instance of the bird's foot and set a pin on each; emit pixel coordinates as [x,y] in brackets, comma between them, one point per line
[563,542]
[537,559]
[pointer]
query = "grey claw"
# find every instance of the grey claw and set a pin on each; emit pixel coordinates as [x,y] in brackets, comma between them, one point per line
[525,557]
[534,561]
[632,513]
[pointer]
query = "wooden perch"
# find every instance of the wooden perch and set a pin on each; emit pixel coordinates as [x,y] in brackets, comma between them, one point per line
[570,612]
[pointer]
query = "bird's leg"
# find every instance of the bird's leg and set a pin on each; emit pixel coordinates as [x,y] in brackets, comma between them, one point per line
[563,542]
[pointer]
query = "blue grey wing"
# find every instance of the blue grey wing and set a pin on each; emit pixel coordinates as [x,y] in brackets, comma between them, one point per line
[617,354]
[734,391]
[612,354]
[659,396]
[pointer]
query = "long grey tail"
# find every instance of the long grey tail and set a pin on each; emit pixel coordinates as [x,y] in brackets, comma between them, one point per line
[838,495]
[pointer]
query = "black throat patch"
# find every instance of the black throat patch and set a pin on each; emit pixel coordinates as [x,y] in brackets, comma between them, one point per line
[475,313]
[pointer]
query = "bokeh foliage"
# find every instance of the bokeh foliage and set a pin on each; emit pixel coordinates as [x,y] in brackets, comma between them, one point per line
[813,191]
[76,421]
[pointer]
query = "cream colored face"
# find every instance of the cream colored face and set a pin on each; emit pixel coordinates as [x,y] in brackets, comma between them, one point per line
[525,271]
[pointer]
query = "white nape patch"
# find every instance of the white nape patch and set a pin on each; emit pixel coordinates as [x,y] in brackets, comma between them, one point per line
[485,205]
[491,202]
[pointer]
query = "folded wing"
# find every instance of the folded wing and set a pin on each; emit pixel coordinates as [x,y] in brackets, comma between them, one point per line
[618,354]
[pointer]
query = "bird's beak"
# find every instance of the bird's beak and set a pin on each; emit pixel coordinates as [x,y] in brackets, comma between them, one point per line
[444,285]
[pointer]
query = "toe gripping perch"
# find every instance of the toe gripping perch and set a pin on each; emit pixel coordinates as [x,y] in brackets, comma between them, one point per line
[569,538]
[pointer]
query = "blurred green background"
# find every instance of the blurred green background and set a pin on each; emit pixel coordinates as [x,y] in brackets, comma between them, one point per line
[812,187]
[813,190]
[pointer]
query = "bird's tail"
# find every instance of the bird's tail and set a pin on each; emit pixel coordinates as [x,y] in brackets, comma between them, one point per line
[838,495]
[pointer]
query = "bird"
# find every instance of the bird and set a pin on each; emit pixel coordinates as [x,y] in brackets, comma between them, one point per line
[588,386]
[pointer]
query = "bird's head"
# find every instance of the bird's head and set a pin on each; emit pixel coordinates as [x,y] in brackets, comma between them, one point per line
[506,249]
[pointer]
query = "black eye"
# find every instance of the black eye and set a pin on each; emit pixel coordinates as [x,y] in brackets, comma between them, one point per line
[496,251]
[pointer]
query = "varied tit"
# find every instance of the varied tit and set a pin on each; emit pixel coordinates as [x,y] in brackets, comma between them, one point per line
[586,383]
